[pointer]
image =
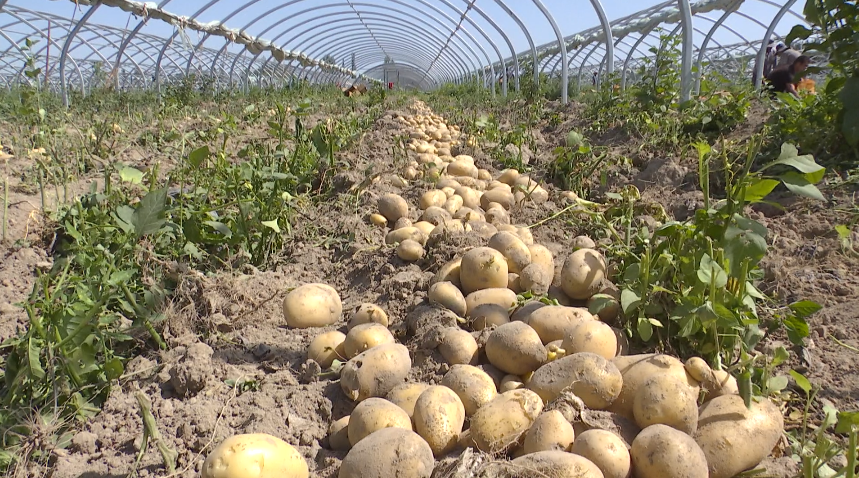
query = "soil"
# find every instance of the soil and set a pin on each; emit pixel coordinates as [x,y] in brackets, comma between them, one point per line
[234,367]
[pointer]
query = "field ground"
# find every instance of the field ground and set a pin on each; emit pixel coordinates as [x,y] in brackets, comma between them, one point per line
[232,366]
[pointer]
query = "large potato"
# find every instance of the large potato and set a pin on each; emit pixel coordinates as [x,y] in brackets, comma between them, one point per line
[257,455]
[556,464]
[499,196]
[664,399]
[435,215]
[500,424]
[447,295]
[660,451]
[501,296]
[439,417]
[606,450]
[592,336]
[524,311]
[515,348]
[374,414]
[637,369]
[458,347]
[735,438]
[389,452]
[515,251]
[474,387]
[487,315]
[393,207]
[557,322]
[326,348]
[366,336]
[368,313]
[375,372]
[592,378]
[551,431]
[483,268]
[434,197]
[535,278]
[313,305]
[405,395]
[583,274]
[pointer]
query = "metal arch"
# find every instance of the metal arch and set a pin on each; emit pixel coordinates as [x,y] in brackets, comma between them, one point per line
[131,36]
[759,66]
[563,46]
[638,43]
[609,35]
[64,54]
[703,48]
[528,38]
[405,67]
[688,47]
[14,44]
[23,55]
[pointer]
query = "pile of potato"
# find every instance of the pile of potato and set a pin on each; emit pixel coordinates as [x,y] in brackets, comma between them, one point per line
[522,378]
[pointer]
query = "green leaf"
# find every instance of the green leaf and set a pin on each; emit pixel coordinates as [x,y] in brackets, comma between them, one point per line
[113,368]
[799,32]
[125,218]
[272,225]
[710,269]
[760,189]
[629,300]
[743,245]
[632,273]
[645,330]
[34,351]
[799,185]
[801,381]
[849,95]
[778,383]
[220,227]
[847,422]
[805,308]
[850,127]
[843,231]
[131,175]
[797,329]
[599,302]
[780,356]
[790,157]
[149,215]
[196,158]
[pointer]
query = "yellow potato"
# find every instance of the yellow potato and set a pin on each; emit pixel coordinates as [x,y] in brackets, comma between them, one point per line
[487,315]
[364,337]
[515,348]
[378,220]
[439,417]
[375,372]
[606,450]
[509,176]
[660,451]
[483,268]
[393,207]
[313,305]
[435,215]
[501,296]
[535,278]
[400,235]
[664,399]
[592,378]
[500,423]
[551,431]
[583,274]
[556,463]
[405,395]
[410,251]
[592,336]
[435,197]
[447,295]
[389,452]
[556,322]
[264,456]
[374,414]
[499,196]
[474,387]
[425,227]
[338,434]
[458,347]
[515,251]
[637,369]
[368,313]
[449,272]
[326,348]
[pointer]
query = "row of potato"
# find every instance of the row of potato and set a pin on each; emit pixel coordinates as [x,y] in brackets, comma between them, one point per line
[505,394]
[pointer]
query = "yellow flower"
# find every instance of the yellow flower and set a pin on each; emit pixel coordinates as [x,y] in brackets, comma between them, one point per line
[117,129]
[37,152]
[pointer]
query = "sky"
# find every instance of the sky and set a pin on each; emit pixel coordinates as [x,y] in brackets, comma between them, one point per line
[572,16]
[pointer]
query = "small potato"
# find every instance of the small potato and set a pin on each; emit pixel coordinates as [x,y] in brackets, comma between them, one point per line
[405,395]
[470,197]
[389,452]
[425,227]
[725,384]
[435,197]
[502,296]
[515,348]
[474,387]
[513,283]
[663,399]
[515,251]
[592,336]
[402,222]
[393,207]
[378,220]
[592,378]
[608,310]
[484,175]
[637,369]
[326,348]
[535,278]
[364,337]
[338,434]
[410,251]
[368,313]
[257,455]
[556,322]
[551,431]
[453,204]
[497,217]
[458,347]
[583,242]
[375,372]
[735,438]
[449,272]
[583,274]
[462,168]
[542,256]
[400,235]
[660,451]
[374,414]
[509,176]
[483,228]
[524,233]
[510,382]
[435,215]
[483,268]
[488,315]
[698,369]
[439,417]
[500,423]
[606,450]
[448,296]
[313,305]
[500,196]
[454,226]
[556,463]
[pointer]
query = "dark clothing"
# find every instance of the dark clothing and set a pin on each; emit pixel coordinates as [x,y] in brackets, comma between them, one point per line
[780,78]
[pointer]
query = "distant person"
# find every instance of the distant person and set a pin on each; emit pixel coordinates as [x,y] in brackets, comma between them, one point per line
[785,79]
[769,62]
[786,56]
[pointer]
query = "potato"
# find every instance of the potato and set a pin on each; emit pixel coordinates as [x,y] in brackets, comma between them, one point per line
[542,256]
[551,431]
[509,176]
[449,272]
[453,204]
[374,414]
[660,451]
[592,336]
[447,295]
[338,434]
[606,450]
[470,197]
[664,399]
[487,315]
[607,310]
[364,337]
[375,372]
[405,395]
[403,222]
[436,215]
[556,322]
[454,226]
[500,424]
[400,235]
[724,384]
[499,196]
[583,242]
[524,233]
[535,278]
[503,297]
[458,347]
[368,313]
[439,417]
[410,251]
[483,268]
[434,197]
[510,382]
[523,312]
[515,348]
[254,455]
[393,207]
[473,386]
[637,369]
[515,251]
[735,438]
[389,452]
[555,463]
[513,283]
[583,274]
[592,378]
[325,348]
[378,220]
[312,305]
[497,217]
